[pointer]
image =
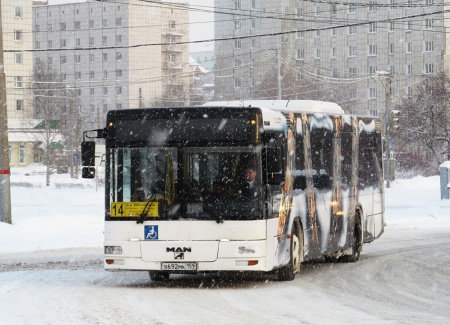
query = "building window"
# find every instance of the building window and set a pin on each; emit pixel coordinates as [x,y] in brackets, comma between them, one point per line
[237,5]
[118,56]
[18,82]
[299,12]
[50,44]
[91,58]
[63,43]
[118,90]
[317,53]
[105,108]
[429,68]
[333,52]
[77,58]
[351,8]
[18,58]
[352,93]
[428,2]
[18,35]
[372,70]
[391,26]
[352,30]
[237,82]
[409,69]
[237,24]
[409,47]
[299,34]
[18,12]
[78,75]
[118,106]
[91,91]
[118,22]
[118,39]
[333,9]
[391,48]
[50,27]
[105,91]
[428,23]
[105,57]
[105,23]
[352,50]
[63,59]
[77,42]
[19,104]
[408,25]
[372,27]
[105,74]
[372,50]
[429,46]
[22,154]
[64,76]
[409,91]
[392,7]
[37,28]
[172,25]
[118,73]
[91,74]
[372,6]
[62,26]
[104,40]
[77,25]
[91,23]
[372,92]
[253,4]
[91,41]
[352,72]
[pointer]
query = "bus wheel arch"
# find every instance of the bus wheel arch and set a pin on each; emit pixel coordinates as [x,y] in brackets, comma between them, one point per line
[357,234]
[287,272]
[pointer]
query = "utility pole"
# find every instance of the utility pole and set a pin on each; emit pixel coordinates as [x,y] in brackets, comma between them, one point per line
[277,53]
[388,89]
[5,191]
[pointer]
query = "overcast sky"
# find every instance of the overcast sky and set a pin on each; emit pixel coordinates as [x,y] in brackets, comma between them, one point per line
[201,23]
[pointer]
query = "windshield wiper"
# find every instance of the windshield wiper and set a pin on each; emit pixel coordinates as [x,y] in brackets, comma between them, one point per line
[147,208]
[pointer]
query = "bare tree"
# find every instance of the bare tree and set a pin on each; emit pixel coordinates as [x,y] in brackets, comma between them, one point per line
[49,106]
[425,124]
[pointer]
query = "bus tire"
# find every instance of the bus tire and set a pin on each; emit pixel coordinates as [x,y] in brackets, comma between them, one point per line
[287,272]
[357,242]
[158,275]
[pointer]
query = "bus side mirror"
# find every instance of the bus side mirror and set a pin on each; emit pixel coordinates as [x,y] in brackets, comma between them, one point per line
[88,159]
[88,172]
[275,174]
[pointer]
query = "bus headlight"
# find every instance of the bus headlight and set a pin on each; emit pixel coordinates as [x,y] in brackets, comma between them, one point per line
[116,250]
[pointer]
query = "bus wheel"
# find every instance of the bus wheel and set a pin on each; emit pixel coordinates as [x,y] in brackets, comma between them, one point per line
[357,243]
[158,276]
[287,272]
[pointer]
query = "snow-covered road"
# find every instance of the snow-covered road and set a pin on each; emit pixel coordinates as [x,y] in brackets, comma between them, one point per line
[403,278]
[51,270]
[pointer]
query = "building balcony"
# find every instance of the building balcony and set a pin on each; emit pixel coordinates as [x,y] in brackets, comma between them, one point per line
[173,48]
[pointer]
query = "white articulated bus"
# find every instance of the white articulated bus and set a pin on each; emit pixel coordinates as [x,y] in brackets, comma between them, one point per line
[238,186]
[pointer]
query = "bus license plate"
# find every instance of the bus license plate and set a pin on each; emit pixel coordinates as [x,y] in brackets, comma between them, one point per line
[179,266]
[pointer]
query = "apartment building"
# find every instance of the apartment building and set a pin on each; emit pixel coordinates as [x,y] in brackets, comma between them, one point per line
[343,44]
[18,67]
[113,54]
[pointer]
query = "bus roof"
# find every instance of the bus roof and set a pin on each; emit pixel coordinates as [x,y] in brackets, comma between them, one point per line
[311,106]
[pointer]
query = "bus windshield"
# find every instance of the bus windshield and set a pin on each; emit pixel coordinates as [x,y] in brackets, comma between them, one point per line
[199,183]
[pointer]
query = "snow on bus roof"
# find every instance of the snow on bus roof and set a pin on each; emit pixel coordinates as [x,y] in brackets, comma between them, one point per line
[311,106]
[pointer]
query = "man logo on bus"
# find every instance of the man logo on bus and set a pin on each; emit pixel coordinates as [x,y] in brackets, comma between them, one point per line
[151,232]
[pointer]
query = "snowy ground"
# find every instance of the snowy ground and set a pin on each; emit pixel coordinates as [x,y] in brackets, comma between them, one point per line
[51,270]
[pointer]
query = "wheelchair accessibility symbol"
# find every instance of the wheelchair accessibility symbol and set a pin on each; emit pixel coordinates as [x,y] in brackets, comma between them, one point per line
[151,232]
